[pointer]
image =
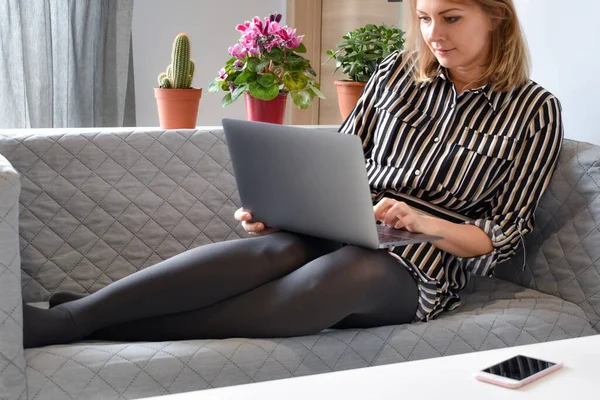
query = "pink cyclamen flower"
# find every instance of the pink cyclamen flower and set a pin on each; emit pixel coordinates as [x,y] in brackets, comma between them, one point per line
[243,27]
[254,51]
[238,51]
[289,38]
[222,74]
[258,25]
[275,17]
[269,45]
[295,42]
[274,27]
[238,63]
[248,41]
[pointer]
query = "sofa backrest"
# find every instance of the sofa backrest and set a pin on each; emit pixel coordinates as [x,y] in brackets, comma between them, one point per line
[563,251]
[97,206]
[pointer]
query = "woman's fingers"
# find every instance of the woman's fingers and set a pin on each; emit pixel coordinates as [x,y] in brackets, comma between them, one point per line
[398,215]
[391,218]
[245,217]
[382,207]
[400,224]
[242,215]
[253,227]
[257,228]
[394,213]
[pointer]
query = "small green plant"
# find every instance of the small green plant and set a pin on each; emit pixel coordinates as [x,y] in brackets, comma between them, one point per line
[364,48]
[180,72]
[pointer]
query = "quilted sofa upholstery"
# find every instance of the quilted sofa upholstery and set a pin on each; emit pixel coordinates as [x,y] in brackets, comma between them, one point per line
[12,363]
[97,205]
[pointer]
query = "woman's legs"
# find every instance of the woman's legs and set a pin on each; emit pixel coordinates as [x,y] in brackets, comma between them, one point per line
[191,280]
[351,287]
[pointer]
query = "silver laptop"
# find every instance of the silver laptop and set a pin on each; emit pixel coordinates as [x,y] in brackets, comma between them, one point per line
[309,181]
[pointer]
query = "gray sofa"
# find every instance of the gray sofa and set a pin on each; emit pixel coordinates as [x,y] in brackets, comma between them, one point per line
[80,209]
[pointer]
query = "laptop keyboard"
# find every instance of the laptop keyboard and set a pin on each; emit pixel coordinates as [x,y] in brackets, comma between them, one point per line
[385,238]
[384,234]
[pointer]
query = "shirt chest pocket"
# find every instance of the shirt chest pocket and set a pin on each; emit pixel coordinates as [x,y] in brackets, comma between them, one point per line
[476,164]
[399,130]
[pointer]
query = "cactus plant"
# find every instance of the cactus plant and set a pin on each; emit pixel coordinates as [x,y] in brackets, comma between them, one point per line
[180,72]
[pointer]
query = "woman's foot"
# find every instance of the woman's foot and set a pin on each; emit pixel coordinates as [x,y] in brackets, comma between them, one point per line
[43,327]
[59,298]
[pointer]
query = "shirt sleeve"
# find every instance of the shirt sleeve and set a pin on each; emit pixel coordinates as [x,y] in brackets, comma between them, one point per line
[363,118]
[512,212]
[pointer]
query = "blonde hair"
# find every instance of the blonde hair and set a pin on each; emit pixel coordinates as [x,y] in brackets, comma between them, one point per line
[508,60]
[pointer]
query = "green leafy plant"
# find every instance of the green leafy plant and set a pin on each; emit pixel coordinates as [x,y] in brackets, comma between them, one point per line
[364,48]
[265,62]
[180,72]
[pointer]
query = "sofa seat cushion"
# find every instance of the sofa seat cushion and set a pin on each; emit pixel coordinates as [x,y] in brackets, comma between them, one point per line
[534,316]
[495,314]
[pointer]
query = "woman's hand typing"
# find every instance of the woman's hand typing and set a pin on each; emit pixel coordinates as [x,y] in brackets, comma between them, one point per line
[459,239]
[399,215]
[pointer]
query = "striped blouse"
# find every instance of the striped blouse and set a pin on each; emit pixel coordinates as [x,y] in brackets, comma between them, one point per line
[480,157]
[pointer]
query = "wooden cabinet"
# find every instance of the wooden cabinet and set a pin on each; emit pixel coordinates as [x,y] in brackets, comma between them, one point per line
[324,22]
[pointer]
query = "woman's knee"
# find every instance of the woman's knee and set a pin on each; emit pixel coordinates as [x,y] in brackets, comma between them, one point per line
[375,280]
[360,270]
[283,249]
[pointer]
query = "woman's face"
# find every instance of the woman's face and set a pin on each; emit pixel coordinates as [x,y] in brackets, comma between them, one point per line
[457,32]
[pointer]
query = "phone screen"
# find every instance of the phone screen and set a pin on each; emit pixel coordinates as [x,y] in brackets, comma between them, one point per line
[519,367]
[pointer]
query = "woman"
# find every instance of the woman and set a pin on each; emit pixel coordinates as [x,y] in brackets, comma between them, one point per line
[459,143]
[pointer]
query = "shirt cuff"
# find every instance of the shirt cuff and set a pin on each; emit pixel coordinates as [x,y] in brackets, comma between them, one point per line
[484,265]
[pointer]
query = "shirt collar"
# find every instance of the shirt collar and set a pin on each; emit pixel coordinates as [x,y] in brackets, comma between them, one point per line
[486,90]
[494,98]
[440,73]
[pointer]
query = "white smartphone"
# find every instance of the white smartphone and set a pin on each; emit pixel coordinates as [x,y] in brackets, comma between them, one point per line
[517,371]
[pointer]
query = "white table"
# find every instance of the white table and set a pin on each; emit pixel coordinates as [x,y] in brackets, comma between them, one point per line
[450,376]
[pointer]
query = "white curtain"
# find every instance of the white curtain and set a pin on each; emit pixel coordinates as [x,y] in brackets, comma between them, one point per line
[66,63]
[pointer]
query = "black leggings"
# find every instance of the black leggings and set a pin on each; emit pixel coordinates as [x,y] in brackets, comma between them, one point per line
[280,284]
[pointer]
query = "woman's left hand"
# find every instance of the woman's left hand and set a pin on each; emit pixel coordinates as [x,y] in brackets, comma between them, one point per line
[399,215]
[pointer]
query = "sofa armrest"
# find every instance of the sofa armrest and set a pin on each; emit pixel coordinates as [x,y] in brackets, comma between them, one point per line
[12,363]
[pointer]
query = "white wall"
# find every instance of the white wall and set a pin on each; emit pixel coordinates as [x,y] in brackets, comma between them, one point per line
[563,41]
[210,25]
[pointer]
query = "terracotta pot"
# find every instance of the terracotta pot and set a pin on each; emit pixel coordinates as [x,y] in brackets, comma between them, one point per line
[271,111]
[348,94]
[177,108]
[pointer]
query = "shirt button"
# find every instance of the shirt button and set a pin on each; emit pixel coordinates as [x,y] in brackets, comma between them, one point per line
[417,172]
[435,140]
